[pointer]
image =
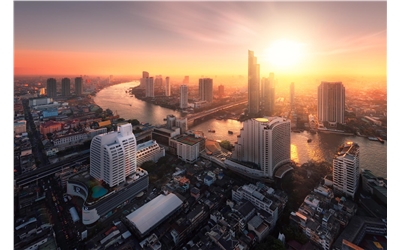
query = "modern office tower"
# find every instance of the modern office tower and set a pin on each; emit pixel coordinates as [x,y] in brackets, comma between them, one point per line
[221,91]
[253,85]
[267,95]
[331,103]
[158,82]
[110,79]
[182,124]
[167,87]
[292,94]
[171,121]
[346,169]
[51,87]
[78,86]
[149,87]
[184,97]
[263,143]
[145,75]
[65,87]
[113,155]
[206,89]
[186,80]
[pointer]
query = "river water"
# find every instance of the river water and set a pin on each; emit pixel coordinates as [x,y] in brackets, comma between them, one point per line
[373,154]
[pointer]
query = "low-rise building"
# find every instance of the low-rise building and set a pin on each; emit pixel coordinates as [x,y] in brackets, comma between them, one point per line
[149,151]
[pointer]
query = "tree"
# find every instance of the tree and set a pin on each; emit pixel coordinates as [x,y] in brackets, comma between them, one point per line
[134,122]
[226,145]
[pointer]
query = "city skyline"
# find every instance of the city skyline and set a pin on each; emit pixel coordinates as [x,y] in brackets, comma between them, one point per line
[199,38]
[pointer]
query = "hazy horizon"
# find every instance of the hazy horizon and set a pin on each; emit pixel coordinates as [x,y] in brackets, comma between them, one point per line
[200,38]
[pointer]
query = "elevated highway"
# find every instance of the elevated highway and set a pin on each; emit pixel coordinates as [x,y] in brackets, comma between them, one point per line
[192,117]
[39,173]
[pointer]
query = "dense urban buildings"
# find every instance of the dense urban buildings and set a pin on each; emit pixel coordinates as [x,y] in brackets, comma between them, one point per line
[221,91]
[51,88]
[183,97]
[346,169]
[253,85]
[78,86]
[206,89]
[113,155]
[65,87]
[263,145]
[331,103]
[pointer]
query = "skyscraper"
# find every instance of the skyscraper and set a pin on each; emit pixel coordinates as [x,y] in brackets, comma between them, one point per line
[346,169]
[331,103]
[149,87]
[268,95]
[158,82]
[264,143]
[145,75]
[253,85]
[186,80]
[78,86]
[184,97]
[65,87]
[113,155]
[206,89]
[292,95]
[167,87]
[51,87]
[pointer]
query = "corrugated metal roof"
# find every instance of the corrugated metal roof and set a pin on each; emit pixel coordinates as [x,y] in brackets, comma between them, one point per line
[154,211]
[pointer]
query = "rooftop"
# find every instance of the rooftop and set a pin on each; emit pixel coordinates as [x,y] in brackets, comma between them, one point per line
[190,140]
[154,211]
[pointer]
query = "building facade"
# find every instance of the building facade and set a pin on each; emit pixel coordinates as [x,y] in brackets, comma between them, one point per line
[346,169]
[113,155]
[149,151]
[206,89]
[78,86]
[167,87]
[268,95]
[264,143]
[51,87]
[184,97]
[149,87]
[253,85]
[331,103]
[65,87]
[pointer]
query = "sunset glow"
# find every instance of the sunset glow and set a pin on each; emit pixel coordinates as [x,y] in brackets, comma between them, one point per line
[199,38]
[284,53]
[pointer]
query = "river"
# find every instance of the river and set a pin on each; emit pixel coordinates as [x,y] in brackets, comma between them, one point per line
[373,154]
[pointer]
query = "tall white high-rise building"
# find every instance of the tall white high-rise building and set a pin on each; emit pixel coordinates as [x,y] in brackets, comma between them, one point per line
[184,97]
[346,169]
[113,155]
[331,103]
[167,87]
[149,87]
[206,89]
[263,145]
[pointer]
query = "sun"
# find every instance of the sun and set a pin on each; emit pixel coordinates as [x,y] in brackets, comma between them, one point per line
[284,53]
